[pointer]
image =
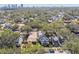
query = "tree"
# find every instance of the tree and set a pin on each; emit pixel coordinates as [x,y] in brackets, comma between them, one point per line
[15,27]
[35,24]
[26,28]
[72,46]
[8,38]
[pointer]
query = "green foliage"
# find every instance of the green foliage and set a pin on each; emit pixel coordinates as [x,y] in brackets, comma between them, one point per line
[52,26]
[15,27]
[10,50]
[35,24]
[0,26]
[26,28]
[7,38]
[72,46]
[33,49]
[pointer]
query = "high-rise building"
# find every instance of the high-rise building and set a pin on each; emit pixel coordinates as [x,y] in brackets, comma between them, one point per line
[21,5]
[9,6]
[16,5]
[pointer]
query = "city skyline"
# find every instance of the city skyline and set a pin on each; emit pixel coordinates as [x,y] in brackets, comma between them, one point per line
[43,5]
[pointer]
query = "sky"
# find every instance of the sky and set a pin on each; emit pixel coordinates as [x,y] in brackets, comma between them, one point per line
[42,3]
[46,5]
[39,1]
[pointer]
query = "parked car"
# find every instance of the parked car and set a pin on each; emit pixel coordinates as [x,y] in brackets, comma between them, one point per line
[19,41]
[55,41]
[44,41]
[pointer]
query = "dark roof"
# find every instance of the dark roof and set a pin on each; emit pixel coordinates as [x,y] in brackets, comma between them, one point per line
[75,28]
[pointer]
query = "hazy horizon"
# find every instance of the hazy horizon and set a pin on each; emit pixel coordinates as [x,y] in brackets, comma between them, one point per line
[44,5]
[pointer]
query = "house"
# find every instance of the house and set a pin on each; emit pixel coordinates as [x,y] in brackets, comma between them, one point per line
[57,17]
[2,21]
[31,18]
[50,21]
[61,14]
[32,37]
[75,29]
[7,25]
[24,20]
[75,21]
[53,18]
[67,21]
[20,26]
[76,17]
